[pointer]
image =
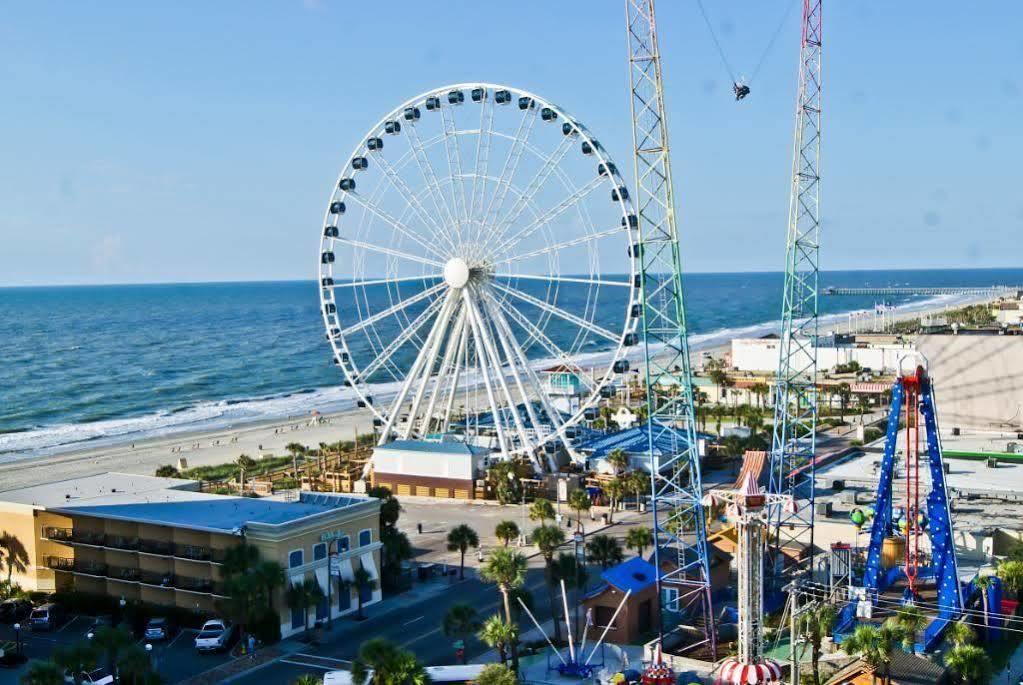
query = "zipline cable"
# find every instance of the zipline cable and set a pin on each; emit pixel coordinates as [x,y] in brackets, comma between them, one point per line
[774,38]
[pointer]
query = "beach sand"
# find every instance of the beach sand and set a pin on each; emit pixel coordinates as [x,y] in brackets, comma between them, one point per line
[218,446]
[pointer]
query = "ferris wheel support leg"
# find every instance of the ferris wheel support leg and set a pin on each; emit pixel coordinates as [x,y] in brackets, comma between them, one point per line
[462,359]
[524,362]
[454,344]
[400,399]
[491,352]
[431,351]
[527,401]
[494,410]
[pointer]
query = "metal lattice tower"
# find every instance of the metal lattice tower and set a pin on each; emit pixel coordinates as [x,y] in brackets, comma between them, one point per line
[795,399]
[680,549]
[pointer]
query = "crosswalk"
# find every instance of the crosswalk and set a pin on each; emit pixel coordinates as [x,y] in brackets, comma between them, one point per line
[325,663]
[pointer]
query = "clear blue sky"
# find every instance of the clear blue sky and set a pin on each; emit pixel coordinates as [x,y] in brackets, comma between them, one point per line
[183,141]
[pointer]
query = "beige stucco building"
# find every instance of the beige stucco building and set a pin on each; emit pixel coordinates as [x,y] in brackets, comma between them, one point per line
[162,541]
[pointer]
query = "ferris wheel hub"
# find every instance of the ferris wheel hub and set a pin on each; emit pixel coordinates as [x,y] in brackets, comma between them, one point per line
[456,272]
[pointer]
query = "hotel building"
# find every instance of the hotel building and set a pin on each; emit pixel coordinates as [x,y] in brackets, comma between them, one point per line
[161,541]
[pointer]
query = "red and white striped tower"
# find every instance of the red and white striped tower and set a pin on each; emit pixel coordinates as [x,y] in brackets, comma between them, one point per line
[750,507]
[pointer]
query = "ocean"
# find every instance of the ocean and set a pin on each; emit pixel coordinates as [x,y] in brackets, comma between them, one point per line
[84,366]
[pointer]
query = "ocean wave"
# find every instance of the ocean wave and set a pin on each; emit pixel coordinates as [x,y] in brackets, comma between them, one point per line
[238,412]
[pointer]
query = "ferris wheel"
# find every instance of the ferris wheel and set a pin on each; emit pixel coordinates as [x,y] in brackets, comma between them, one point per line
[479,256]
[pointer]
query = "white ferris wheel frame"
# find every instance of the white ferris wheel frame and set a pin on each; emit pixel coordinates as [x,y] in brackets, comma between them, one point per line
[491,335]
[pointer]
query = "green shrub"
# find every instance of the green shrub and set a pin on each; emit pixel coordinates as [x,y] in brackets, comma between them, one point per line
[266,627]
[872,434]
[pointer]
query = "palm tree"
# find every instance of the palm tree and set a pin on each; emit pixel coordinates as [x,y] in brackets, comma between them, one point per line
[1011,573]
[497,634]
[983,583]
[307,679]
[760,390]
[136,667]
[239,559]
[304,595]
[605,550]
[15,555]
[270,576]
[547,540]
[460,539]
[541,510]
[615,489]
[506,531]
[815,624]
[381,662]
[618,459]
[719,411]
[910,620]
[460,622]
[43,673]
[639,538]
[959,633]
[110,642]
[506,568]
[75,659]
[364,582]
[865,642]
[970,663]
[638,482]
[579,501]
[496,674]
[844,393]
[296,450]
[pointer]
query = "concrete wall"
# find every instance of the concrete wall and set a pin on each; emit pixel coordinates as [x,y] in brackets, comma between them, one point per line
[978,380]
[756,354]
[455,465]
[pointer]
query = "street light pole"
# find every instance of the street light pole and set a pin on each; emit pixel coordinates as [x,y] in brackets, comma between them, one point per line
[580,564]
[17,637]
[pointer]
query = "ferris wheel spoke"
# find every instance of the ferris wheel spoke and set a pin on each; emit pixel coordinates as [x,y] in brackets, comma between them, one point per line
[545,400]
[394,309]
[382,281]
[389,251]
[399,400]
[479,179]
[537,182]
[454,155]
[403,337]
[535,333]
[549,215]
[557,247]
[426,169]
[565,279]
[517,359]
[511,163]
[398,183]
[484,371]
[454,344]
[397,224]
[560,313]
[498,367]
[428,357]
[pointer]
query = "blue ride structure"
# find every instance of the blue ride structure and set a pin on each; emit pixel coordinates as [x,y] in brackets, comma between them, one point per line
[912,408]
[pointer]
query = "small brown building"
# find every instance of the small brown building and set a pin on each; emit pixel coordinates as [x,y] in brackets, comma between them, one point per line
[639,613]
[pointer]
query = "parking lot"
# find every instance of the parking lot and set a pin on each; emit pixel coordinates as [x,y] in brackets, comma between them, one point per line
[174,659]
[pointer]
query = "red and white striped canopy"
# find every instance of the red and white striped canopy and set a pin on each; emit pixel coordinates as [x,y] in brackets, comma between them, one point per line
[736,672]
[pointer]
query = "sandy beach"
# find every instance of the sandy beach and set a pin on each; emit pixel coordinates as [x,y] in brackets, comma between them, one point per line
[257,439]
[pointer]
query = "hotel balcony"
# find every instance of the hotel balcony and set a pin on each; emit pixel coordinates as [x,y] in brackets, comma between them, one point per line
[126,574]
[134,544]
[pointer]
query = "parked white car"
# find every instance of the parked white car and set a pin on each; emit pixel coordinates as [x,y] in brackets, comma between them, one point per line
[215,636]
[98,676]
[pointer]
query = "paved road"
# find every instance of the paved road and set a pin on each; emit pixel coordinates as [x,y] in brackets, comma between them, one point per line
[416,626]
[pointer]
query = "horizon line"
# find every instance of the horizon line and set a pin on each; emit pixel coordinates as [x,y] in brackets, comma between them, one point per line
[14,286]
